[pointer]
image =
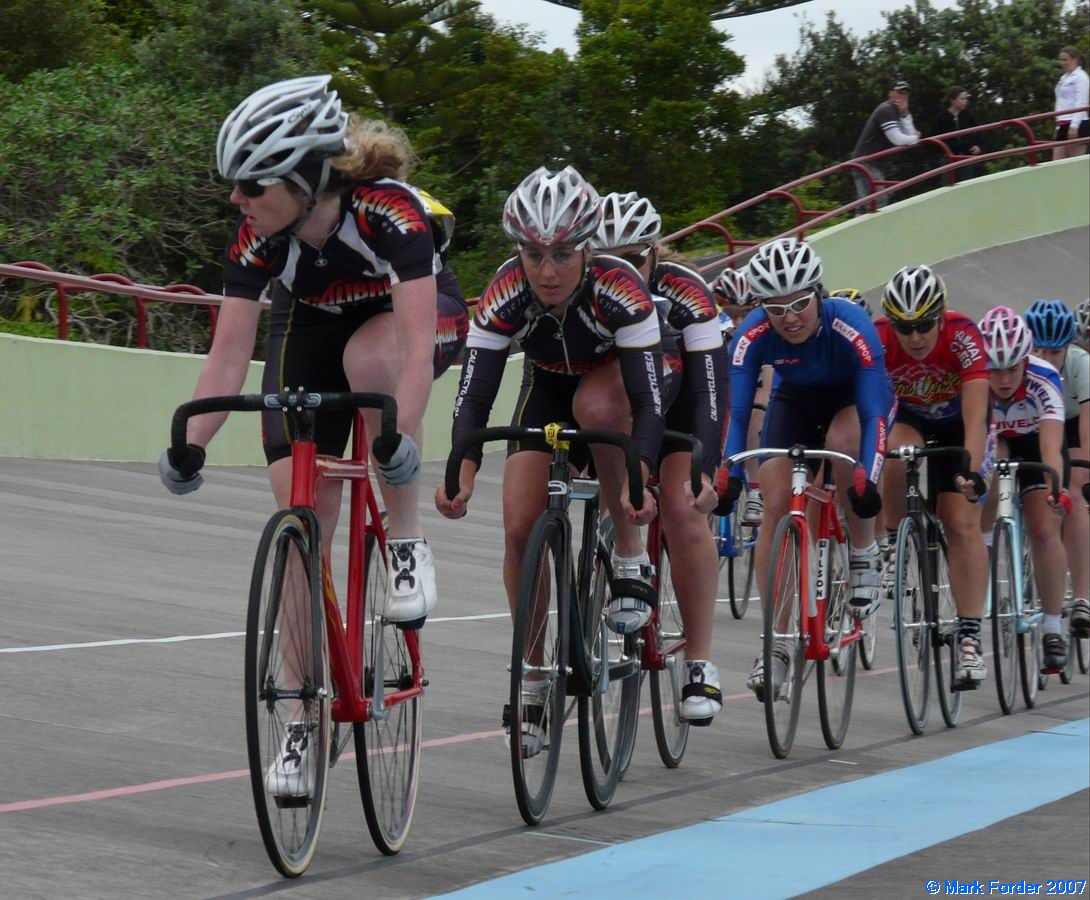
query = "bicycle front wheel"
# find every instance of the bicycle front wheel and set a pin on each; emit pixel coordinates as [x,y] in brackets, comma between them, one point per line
[607,717]
[539,659]
[1030,633]
[783,645]
[671,730]
[1004,615]
[945,638]
[836,675]
[910,622]
[288,690]
[388,743]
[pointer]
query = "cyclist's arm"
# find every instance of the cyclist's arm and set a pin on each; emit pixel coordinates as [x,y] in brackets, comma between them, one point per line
[639,352]
[1051,437]
[414,319]
[225,369]
[744,371]
[975,399]
[482,372]
[873,404]
[704,379]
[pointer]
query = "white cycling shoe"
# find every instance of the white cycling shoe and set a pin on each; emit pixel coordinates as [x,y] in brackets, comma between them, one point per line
[411,574]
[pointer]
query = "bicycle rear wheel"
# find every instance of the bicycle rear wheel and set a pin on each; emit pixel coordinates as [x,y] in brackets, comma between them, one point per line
[607,717]
[288,688]
[910,622]
[539,658]
[740,566]
[1004,614]
[1030,632]
[945,637]
[836,675]
[671,731]
[387,748]
[783,645]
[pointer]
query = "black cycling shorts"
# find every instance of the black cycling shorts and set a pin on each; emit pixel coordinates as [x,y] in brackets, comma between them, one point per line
[1071,433]
[802,416]
[950,433]
[1027,447]
[306,349]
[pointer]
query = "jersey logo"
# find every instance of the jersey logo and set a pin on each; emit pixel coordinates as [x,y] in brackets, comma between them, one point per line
[747,338]
[341,293]
[394,205]
[246,250]
[965,347]
[617,286]
[688,294]
[506,285]
[856,339]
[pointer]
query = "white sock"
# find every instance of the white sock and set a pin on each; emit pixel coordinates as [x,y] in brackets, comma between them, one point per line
[1051,624]
[866,551]
[988,538]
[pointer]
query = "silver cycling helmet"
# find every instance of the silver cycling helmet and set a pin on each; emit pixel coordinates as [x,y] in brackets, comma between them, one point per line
[1082,314]
[783,267]
[914,294]
[1007,338]
[731,288]
[627,219]
[552,208]
[281,126]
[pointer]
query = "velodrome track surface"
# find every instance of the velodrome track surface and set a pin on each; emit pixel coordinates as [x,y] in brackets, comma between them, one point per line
[122,748]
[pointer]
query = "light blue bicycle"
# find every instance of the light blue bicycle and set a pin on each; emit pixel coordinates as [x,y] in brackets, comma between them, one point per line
[1014,606]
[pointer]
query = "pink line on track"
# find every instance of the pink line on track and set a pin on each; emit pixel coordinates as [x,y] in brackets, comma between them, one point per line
[167,784]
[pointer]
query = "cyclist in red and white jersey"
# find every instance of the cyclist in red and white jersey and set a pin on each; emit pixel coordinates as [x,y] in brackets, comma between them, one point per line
[630,230]
[1054,327]
[736,301]
[935,359]
[1028,416]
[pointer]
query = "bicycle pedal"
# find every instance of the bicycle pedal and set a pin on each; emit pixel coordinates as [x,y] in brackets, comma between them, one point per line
[1054,670]
[698,723]
[966,686]
[411,625]
[291,802]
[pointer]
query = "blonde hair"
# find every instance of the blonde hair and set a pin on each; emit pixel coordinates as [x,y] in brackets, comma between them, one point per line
[375,150]
[669,254]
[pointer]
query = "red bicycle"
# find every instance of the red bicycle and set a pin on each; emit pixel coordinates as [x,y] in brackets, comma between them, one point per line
[807,616]
[312,670]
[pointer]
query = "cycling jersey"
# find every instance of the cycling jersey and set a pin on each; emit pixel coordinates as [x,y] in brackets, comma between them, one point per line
[930,388]
[843,355]
[1076,380]
[610,316]
[688,313]
[383,237]
[1038,398]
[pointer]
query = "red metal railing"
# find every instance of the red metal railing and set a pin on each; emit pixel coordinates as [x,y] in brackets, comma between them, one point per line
[113,284]
[807,219]
[736,248]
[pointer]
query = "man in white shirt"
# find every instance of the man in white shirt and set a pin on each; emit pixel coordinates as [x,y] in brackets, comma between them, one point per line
[890,125]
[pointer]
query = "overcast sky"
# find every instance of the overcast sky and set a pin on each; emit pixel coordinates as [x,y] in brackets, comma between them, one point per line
[758,39]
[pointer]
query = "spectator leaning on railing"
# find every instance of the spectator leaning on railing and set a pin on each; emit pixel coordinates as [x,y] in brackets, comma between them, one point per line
[1073,89]
[956,117]
[890,125]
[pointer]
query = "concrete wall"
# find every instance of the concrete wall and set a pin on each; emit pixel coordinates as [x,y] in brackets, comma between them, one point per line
[83,401]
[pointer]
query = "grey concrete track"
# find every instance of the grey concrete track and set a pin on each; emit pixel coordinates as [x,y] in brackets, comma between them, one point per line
[122,764]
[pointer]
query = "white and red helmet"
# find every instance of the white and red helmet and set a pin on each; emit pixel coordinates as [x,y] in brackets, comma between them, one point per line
[731,288]
[552,208]
[1007,338]
[627,219]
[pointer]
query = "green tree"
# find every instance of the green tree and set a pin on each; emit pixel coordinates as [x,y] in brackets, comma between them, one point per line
[47,34]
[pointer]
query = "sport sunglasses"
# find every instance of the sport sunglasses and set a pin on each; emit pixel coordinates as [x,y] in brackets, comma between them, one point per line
[910,327]
[778,310]
[255,187]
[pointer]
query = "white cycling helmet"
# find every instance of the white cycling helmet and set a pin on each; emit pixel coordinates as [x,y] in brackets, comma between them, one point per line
[277,128]
[1082,314]
[1007,339]
[552,208]
[627,219]
[731,288]
[914,294]
[783,267]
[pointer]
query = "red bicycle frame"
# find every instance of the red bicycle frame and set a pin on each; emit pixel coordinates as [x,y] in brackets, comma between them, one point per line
[346,644]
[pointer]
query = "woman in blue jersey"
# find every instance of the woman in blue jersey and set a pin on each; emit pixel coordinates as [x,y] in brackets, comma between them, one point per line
[1028,416]
[830,390]
[630,230]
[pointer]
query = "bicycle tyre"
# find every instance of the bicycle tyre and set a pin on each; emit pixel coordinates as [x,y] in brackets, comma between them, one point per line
[537,631]
[836,675]
[287,685]
[671,731]
[743,559]
[1082,650]
[782,615]
[1030,651]
[387,749]
[1004,607]
[607,717]
[910,622]
[945,637]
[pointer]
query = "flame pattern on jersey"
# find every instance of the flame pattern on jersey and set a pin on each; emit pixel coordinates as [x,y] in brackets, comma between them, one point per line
[615,289]
[395,207]
[500,309]
[689,295]
[250,250]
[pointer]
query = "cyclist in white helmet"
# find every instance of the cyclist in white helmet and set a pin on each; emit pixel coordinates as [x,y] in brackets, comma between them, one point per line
[831,390]
[1028,416]
[737,301]
[350,257]
[630,230]
[593,355]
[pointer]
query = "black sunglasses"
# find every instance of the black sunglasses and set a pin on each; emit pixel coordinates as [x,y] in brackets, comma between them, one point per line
[909,327]
[254,187]
[636,259]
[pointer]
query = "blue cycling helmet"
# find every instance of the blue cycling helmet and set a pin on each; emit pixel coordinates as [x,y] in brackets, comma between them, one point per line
[1052,323]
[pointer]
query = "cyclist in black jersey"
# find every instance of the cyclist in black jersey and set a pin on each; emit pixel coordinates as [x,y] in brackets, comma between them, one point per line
[593,356]
[350,258]
[630,230]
